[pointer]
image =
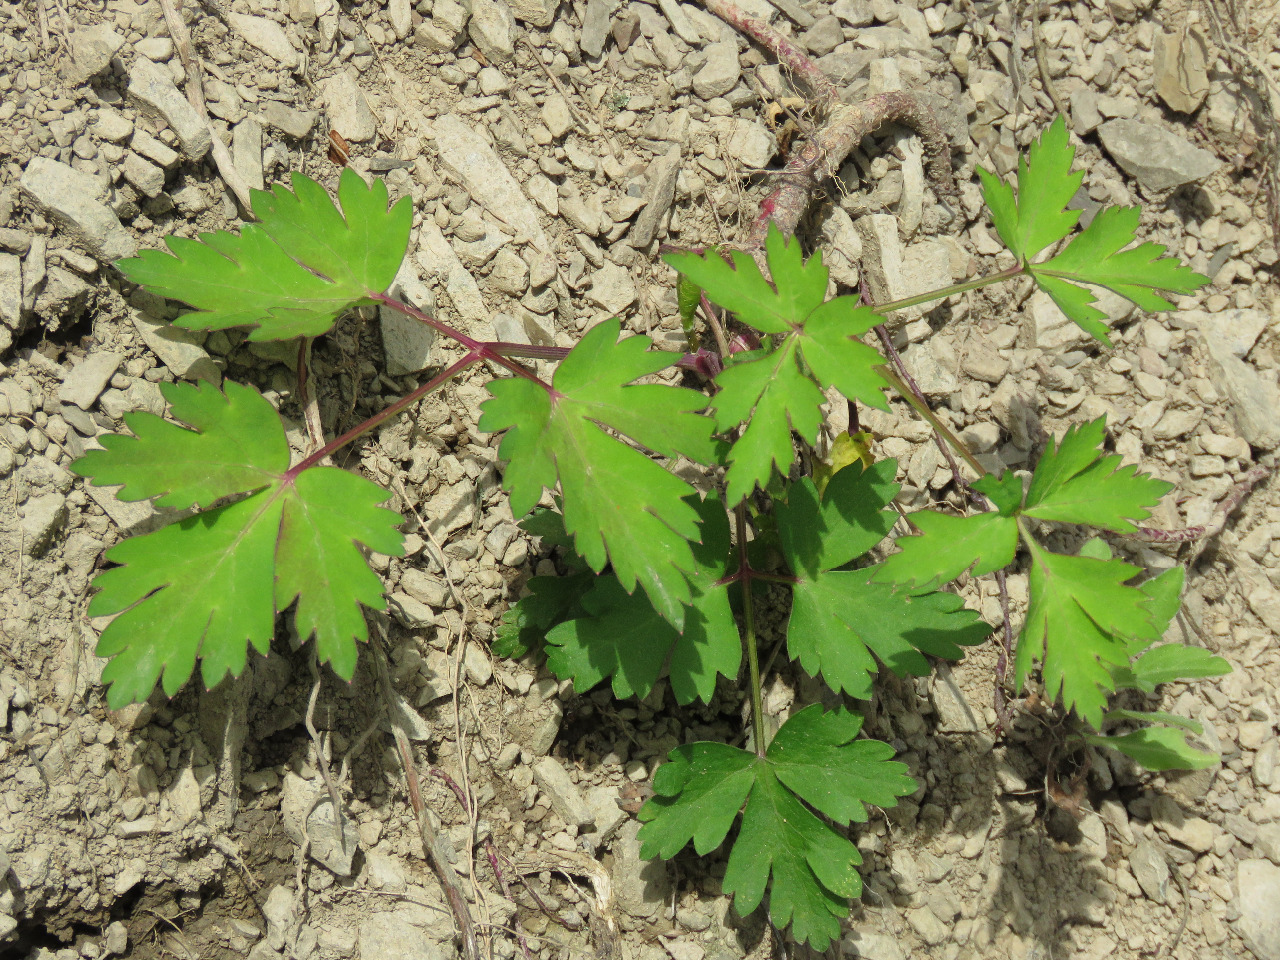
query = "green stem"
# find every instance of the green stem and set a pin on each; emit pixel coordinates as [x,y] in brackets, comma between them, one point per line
[923,409]
[950,291]
[749,622]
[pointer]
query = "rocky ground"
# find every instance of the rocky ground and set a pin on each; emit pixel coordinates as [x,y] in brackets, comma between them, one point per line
[547,149]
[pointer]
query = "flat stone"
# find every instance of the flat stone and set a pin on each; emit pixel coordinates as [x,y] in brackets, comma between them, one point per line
[612,288]
[720,73]
[881,256]
[509,274]
[290,122]
[1258,883]
[680,22]
[1150,869]
[11,292]
[927,926]
[347,109]
[85,381]
[1237,329]
[750,144]
[71,199]
[565,798]
[400,13]
[1251,400]
[178,349]
[92,50]
[492,29]
[467,157]
[536,13]
[388,937]
[246,151]
[42,518]
[1155,157]
[1179,69]
[265,35]
[154,91]
[144,175]
[595,26]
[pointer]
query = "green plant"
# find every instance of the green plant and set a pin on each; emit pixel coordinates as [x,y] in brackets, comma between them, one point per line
[271,535]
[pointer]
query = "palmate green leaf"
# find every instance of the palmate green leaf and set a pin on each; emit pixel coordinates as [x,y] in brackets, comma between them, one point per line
[621,636]
[294,273]
[815,763]
[550,600]
[947,546]
[1038,216]
[1073,484]
[780,390]
[1157,749]
[839,618]
[1097,257]
[1079,615]
[209,586]
[620,505]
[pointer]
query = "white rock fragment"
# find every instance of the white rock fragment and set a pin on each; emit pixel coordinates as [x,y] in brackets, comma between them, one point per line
[492,29]
[71,199]
[87,379]
[720,73]
[612,288]
[92,50]
[437,259]
[178,349]
[246,152]
[1258,883]
[536,13]
[11,292]
[750,144]
[470,160]
[347,109]
[1155,157]
[563,794]
[154,91]
[267,36]
[42,518]
[290,122]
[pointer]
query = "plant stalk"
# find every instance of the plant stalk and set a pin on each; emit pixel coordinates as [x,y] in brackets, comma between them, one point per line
[382,415]
[749,623]
[923,409]
[950,291]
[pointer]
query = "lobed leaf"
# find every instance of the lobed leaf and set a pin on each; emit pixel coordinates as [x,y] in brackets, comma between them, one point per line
[623,637]
[294,273]
[1037,218]
[814,763]
[1073,484]
[947,546]
[209,586]
[1080,611]
[620,505]
[781,390]
[840,618]
[1097,256]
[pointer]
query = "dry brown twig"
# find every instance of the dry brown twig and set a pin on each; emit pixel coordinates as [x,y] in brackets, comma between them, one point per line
[181,38]
[840,129]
